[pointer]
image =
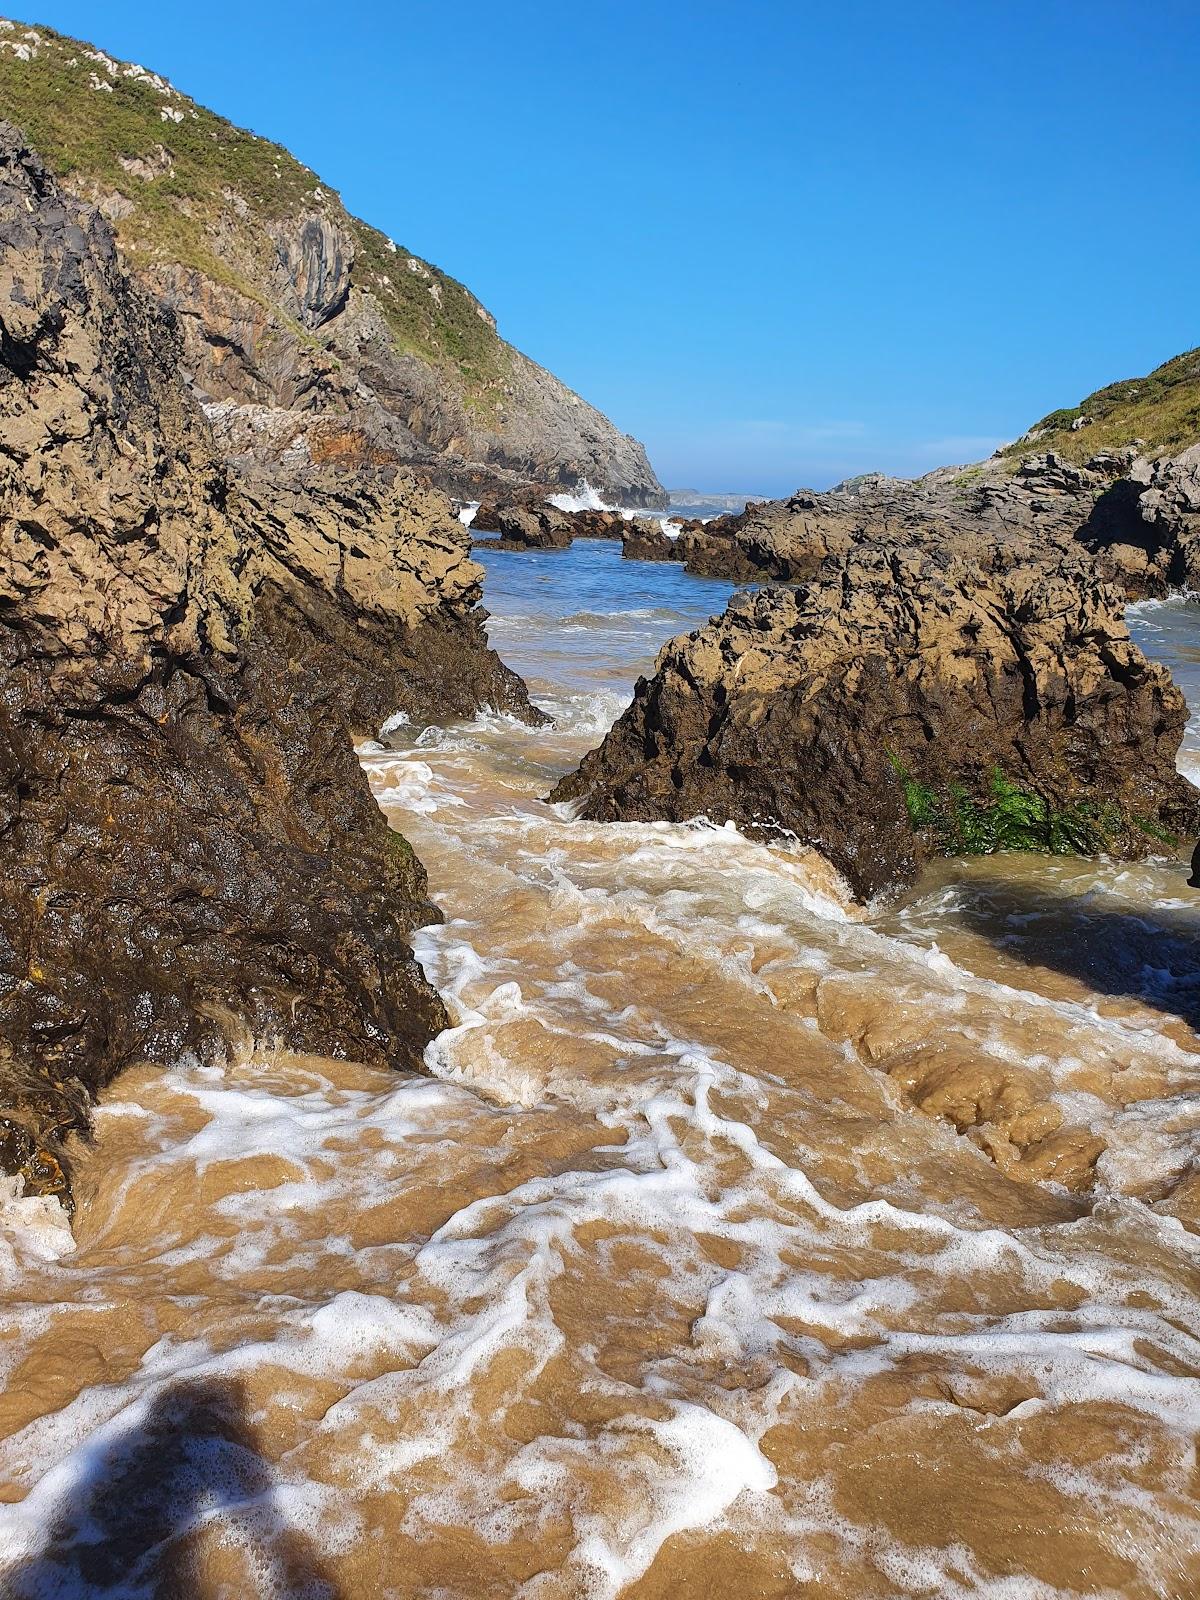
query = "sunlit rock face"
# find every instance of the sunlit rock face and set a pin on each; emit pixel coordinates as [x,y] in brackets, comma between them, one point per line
[902,705]
[192,854]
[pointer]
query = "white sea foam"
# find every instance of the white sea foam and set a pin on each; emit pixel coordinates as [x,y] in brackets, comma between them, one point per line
[394,1265]
[585,498]
[32,1227]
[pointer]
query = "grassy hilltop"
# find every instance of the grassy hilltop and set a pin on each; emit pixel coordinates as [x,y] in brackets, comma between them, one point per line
[90,117]
[1162,410]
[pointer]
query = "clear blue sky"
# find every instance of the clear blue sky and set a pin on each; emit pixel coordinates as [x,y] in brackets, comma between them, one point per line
[779,241]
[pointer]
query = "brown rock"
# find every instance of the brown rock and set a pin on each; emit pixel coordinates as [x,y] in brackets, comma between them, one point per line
[988,513]
[1145,529]
[901,706]
[191,849]
[596,524]
[645,540]
[532,528]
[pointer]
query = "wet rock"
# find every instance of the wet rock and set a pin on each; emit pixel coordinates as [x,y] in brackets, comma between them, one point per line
[595,523]
[529,528]
[530,523]
[192,853]
[903,705]
[646,540]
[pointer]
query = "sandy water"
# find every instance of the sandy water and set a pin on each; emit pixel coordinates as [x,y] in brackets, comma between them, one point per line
[738,1243]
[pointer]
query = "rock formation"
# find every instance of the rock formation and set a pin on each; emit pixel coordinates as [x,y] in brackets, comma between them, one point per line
[531,524]
[1144,531]
[541,527]
[191,850]
[596,523]
[312,335]
[901,704]
[645,539]
[962,509]
[1138,520]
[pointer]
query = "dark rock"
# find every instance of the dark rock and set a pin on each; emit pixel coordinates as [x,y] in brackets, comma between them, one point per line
[486,519]
[315,257]
[530,523]
[901,705]
[533,528]
[646,540]
[596,524]
[192,852]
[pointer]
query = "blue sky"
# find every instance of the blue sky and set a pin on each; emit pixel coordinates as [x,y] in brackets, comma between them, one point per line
[780,242]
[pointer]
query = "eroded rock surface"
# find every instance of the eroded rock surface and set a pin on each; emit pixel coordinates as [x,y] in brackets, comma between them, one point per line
[1138,521]
[540,527]
[1145,530]
[900,705]
[191,851]
[531,523]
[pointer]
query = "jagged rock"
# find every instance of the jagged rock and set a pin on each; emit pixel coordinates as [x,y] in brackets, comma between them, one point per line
[902,705]
[191,850]
[967,510]
[527,527]
[1138,520]
[1145,530]
[595,523]
[646,540]
[530,523]
[376,571]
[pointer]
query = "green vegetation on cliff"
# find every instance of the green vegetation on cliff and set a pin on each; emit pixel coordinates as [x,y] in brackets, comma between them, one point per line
[185,187]
[1162,410]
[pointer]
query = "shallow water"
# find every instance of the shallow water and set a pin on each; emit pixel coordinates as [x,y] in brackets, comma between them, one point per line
[739,1242]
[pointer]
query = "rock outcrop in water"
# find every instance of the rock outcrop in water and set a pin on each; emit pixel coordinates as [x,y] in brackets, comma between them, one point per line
[313,337]
[541,527]
[900,705]
[1137,519]
[191,850]
[1042,505]
[530,524]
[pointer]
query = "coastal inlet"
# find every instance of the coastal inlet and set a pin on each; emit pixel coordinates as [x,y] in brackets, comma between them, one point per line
[741,1241]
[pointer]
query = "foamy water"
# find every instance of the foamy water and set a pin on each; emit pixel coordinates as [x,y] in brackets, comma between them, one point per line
[739,1242]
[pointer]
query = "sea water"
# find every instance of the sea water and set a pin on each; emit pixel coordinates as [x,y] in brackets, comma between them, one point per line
[739,1240]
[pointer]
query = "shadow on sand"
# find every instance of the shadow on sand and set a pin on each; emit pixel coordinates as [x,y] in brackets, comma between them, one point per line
[1150,955]
[142,1521]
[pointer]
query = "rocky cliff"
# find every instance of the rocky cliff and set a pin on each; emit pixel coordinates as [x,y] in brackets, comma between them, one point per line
[191,851]
[901,704]
[311,336]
